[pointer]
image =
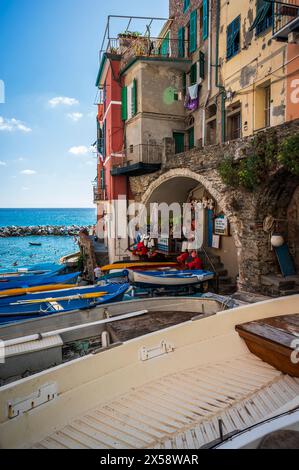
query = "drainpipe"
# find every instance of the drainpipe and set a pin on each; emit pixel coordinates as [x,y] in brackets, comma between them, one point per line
[218,84]
[209,75]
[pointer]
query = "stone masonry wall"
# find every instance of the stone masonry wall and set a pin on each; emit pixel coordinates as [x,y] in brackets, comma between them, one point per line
[245,210]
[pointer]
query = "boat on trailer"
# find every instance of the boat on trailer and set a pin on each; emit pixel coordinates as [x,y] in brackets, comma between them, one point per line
[185,387]
[169,278]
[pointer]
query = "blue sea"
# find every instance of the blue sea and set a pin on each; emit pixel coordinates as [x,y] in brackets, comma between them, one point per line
[17,250]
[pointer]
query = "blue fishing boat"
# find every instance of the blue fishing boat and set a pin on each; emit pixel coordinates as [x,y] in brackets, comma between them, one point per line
[34,269]
[38,280]
[60,302]
[169,278]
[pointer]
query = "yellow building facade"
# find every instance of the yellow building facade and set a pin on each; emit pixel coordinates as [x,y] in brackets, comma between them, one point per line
[252,67]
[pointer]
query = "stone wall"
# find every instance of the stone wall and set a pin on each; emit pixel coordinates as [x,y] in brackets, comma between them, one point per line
[245,210]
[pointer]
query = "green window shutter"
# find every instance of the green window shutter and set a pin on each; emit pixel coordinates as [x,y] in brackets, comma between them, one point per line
[181,42]
[233,38]
[193,74]
[165,45]
[191,139]
[184,80]
[202,65]
[124,102]
[179,142]
[205,21]
[186,5]
[102,178]
[134,98]
[193,32]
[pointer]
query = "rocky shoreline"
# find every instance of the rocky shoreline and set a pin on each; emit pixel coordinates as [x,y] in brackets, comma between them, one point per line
[39,231]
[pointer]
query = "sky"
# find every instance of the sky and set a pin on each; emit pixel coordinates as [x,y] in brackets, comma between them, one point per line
[49,59]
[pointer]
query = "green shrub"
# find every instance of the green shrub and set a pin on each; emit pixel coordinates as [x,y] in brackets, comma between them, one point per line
[289,154]
[228,171]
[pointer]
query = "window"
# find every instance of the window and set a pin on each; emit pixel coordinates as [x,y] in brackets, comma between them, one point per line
[202,65]
[233,38]
[267,97]
[181,42]
[165,45]
[179,142]
[124,102]
[193,32]
[191,140]
[186,5]
[264,16]
[193,74]
[102,183]
[211,125]
[234,123]
[205,19]
[129,101]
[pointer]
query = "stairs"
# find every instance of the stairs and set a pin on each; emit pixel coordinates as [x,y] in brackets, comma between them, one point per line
[276,285]
[227,285]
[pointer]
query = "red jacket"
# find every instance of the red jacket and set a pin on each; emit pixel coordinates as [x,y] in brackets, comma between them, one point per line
[196,264]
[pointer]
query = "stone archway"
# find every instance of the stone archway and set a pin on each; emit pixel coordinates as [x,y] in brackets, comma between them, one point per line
[176,184]
[208,185]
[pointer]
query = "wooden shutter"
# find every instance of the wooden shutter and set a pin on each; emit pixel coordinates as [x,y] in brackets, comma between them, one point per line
[124,101]
[193,74]
[181,42]
[134,98]
[186,5]
[233,38]
[165,45]
[205,21]
[202,65]
[193,32]
[102,178]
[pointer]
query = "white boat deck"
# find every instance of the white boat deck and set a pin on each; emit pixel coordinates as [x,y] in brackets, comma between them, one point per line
[181,410]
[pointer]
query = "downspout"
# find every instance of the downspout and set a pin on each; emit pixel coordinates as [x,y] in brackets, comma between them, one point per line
[209,75]
[218,84]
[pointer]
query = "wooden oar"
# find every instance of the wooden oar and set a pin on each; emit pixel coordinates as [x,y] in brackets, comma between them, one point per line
[30,290]
[91,295]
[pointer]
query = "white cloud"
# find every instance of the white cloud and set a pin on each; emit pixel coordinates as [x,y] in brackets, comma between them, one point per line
[28,172]
[2,163]
[62,100]
[75,116]
[11,125]
[80,150]
[24,188]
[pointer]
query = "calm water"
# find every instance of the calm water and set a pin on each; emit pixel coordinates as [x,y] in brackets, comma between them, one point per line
[29,217]
[53,248]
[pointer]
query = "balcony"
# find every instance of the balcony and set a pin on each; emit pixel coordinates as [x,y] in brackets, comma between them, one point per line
[286,19]
[164,50]
[99,195]
[139,160]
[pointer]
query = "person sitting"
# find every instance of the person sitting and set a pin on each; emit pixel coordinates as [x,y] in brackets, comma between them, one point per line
[196,264]
[182,259]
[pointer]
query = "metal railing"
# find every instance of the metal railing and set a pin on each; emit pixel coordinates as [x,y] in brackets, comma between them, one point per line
[286,14]
[141,46]
[141,153]
[99,194]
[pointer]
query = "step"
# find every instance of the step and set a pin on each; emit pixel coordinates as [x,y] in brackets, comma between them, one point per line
[278,281]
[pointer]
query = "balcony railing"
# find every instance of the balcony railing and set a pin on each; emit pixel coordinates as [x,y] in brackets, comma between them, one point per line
[142,158]
[286,18]
[99,194]
[130,47]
